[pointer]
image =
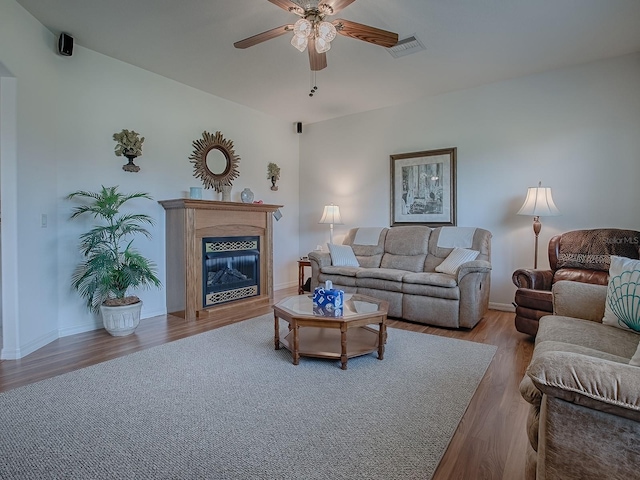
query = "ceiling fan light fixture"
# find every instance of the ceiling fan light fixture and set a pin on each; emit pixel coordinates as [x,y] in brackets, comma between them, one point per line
[302,28]
[299,42]
[326,31]
[322,45]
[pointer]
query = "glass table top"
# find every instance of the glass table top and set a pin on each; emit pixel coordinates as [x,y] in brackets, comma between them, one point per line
[354,305]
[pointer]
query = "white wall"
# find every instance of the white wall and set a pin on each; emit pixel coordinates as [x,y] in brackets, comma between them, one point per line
[68,108]
[577,130]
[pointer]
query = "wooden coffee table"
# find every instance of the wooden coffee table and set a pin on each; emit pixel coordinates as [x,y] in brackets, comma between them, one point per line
[343,337]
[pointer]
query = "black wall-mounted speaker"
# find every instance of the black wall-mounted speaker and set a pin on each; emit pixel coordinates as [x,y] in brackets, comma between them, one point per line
[65,45]
[299,127]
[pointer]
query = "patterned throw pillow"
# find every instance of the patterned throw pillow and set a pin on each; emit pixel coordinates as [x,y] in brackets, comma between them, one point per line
[342,256]
[622,308]
[455,259]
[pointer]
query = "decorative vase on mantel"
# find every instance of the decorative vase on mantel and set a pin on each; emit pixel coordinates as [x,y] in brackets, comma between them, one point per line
[130,167]
[246,196]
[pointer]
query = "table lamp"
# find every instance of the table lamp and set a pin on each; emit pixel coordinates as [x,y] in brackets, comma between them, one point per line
[331,215]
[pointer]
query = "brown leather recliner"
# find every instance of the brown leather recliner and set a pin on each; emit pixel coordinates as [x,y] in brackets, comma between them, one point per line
[580,256]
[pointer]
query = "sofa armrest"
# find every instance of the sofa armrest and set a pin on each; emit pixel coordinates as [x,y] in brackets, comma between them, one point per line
[579,300]
[318,260]
[533,279]
[481,266]
[592,382]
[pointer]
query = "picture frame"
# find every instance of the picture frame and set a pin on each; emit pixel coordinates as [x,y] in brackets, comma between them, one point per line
[423,188]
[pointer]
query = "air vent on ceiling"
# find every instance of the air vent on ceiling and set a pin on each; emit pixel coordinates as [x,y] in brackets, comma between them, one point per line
[406,46]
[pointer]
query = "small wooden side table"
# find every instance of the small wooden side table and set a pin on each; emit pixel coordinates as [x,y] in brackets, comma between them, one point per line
[303,262]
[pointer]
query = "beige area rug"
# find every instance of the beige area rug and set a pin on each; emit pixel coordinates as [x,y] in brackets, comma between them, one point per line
[225,405]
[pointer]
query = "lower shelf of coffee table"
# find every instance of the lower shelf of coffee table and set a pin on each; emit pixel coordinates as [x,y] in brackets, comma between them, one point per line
[326,343]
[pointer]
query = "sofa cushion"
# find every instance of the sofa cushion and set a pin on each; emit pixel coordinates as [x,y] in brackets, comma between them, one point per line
[342,255]
[368,256]
[379,284]
[431,291]
[599,340]
[382,273]
[588,381]
[578,300]
[430,278]
[436,253]
[406,248]
[455,259]
[551,346]
[346,271]
[407,240]
[410,263]
[581,275]
[339,281]
[622,307]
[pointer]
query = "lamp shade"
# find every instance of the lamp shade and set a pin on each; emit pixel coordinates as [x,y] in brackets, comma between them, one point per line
[331,214]
[539,203]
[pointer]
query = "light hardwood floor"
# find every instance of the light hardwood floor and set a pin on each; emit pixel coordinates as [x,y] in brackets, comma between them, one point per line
[490,442]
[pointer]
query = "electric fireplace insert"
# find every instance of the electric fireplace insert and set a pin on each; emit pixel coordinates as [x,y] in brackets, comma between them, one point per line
[230,269]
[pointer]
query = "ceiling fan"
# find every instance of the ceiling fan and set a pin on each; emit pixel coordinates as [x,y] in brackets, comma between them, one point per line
[315,34]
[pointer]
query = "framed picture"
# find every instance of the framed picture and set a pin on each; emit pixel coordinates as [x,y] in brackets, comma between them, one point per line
[423,188]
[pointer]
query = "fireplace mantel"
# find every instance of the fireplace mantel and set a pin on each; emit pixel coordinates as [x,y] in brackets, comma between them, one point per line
[187,223]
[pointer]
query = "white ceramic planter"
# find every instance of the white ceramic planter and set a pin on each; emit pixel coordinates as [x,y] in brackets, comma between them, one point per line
[121,320]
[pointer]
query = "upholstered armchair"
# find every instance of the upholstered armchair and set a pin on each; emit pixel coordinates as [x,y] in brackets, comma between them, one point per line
[580,256]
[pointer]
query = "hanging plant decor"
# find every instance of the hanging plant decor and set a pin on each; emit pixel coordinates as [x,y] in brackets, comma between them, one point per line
[214,144]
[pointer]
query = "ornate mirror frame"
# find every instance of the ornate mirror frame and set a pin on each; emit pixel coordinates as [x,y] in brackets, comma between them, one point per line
[201,170]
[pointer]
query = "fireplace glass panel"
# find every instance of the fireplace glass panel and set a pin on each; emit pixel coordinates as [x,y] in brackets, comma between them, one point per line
[231,269]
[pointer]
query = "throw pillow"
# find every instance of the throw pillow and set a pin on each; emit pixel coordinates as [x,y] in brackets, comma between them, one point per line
[342,255]
[622,307]
[455,259]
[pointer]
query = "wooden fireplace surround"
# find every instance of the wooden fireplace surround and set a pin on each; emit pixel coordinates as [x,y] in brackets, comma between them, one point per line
[187,223]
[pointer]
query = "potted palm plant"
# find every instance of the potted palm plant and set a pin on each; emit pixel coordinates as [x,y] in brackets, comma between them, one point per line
[111,266]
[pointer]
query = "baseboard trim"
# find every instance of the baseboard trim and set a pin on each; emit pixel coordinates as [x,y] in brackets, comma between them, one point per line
[282,286]
[504,307]
[85,327]
[28,348]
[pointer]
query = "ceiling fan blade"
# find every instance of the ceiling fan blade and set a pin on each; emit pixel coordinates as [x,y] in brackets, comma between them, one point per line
[289,6]
[366,33]
[336,5]
[317,61]
[264,36]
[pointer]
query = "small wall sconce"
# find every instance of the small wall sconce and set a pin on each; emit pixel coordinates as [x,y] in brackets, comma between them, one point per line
[130,146]
[273,174]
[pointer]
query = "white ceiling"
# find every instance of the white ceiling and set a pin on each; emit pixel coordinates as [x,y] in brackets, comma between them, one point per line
[468,43]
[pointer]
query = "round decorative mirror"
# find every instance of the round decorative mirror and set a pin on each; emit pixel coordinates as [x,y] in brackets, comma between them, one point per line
[214,161]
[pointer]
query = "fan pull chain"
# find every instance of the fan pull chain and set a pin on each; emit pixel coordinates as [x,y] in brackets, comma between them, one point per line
[312,82]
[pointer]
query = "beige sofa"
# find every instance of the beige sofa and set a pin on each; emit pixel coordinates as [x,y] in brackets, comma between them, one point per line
[398,265]
[584,419]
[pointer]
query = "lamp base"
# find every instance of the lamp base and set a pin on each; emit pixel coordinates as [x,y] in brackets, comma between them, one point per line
[537,226]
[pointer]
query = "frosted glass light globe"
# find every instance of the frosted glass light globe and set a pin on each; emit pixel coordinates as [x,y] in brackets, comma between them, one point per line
[326,31]
[299,42]
[322,45]
[302,28]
